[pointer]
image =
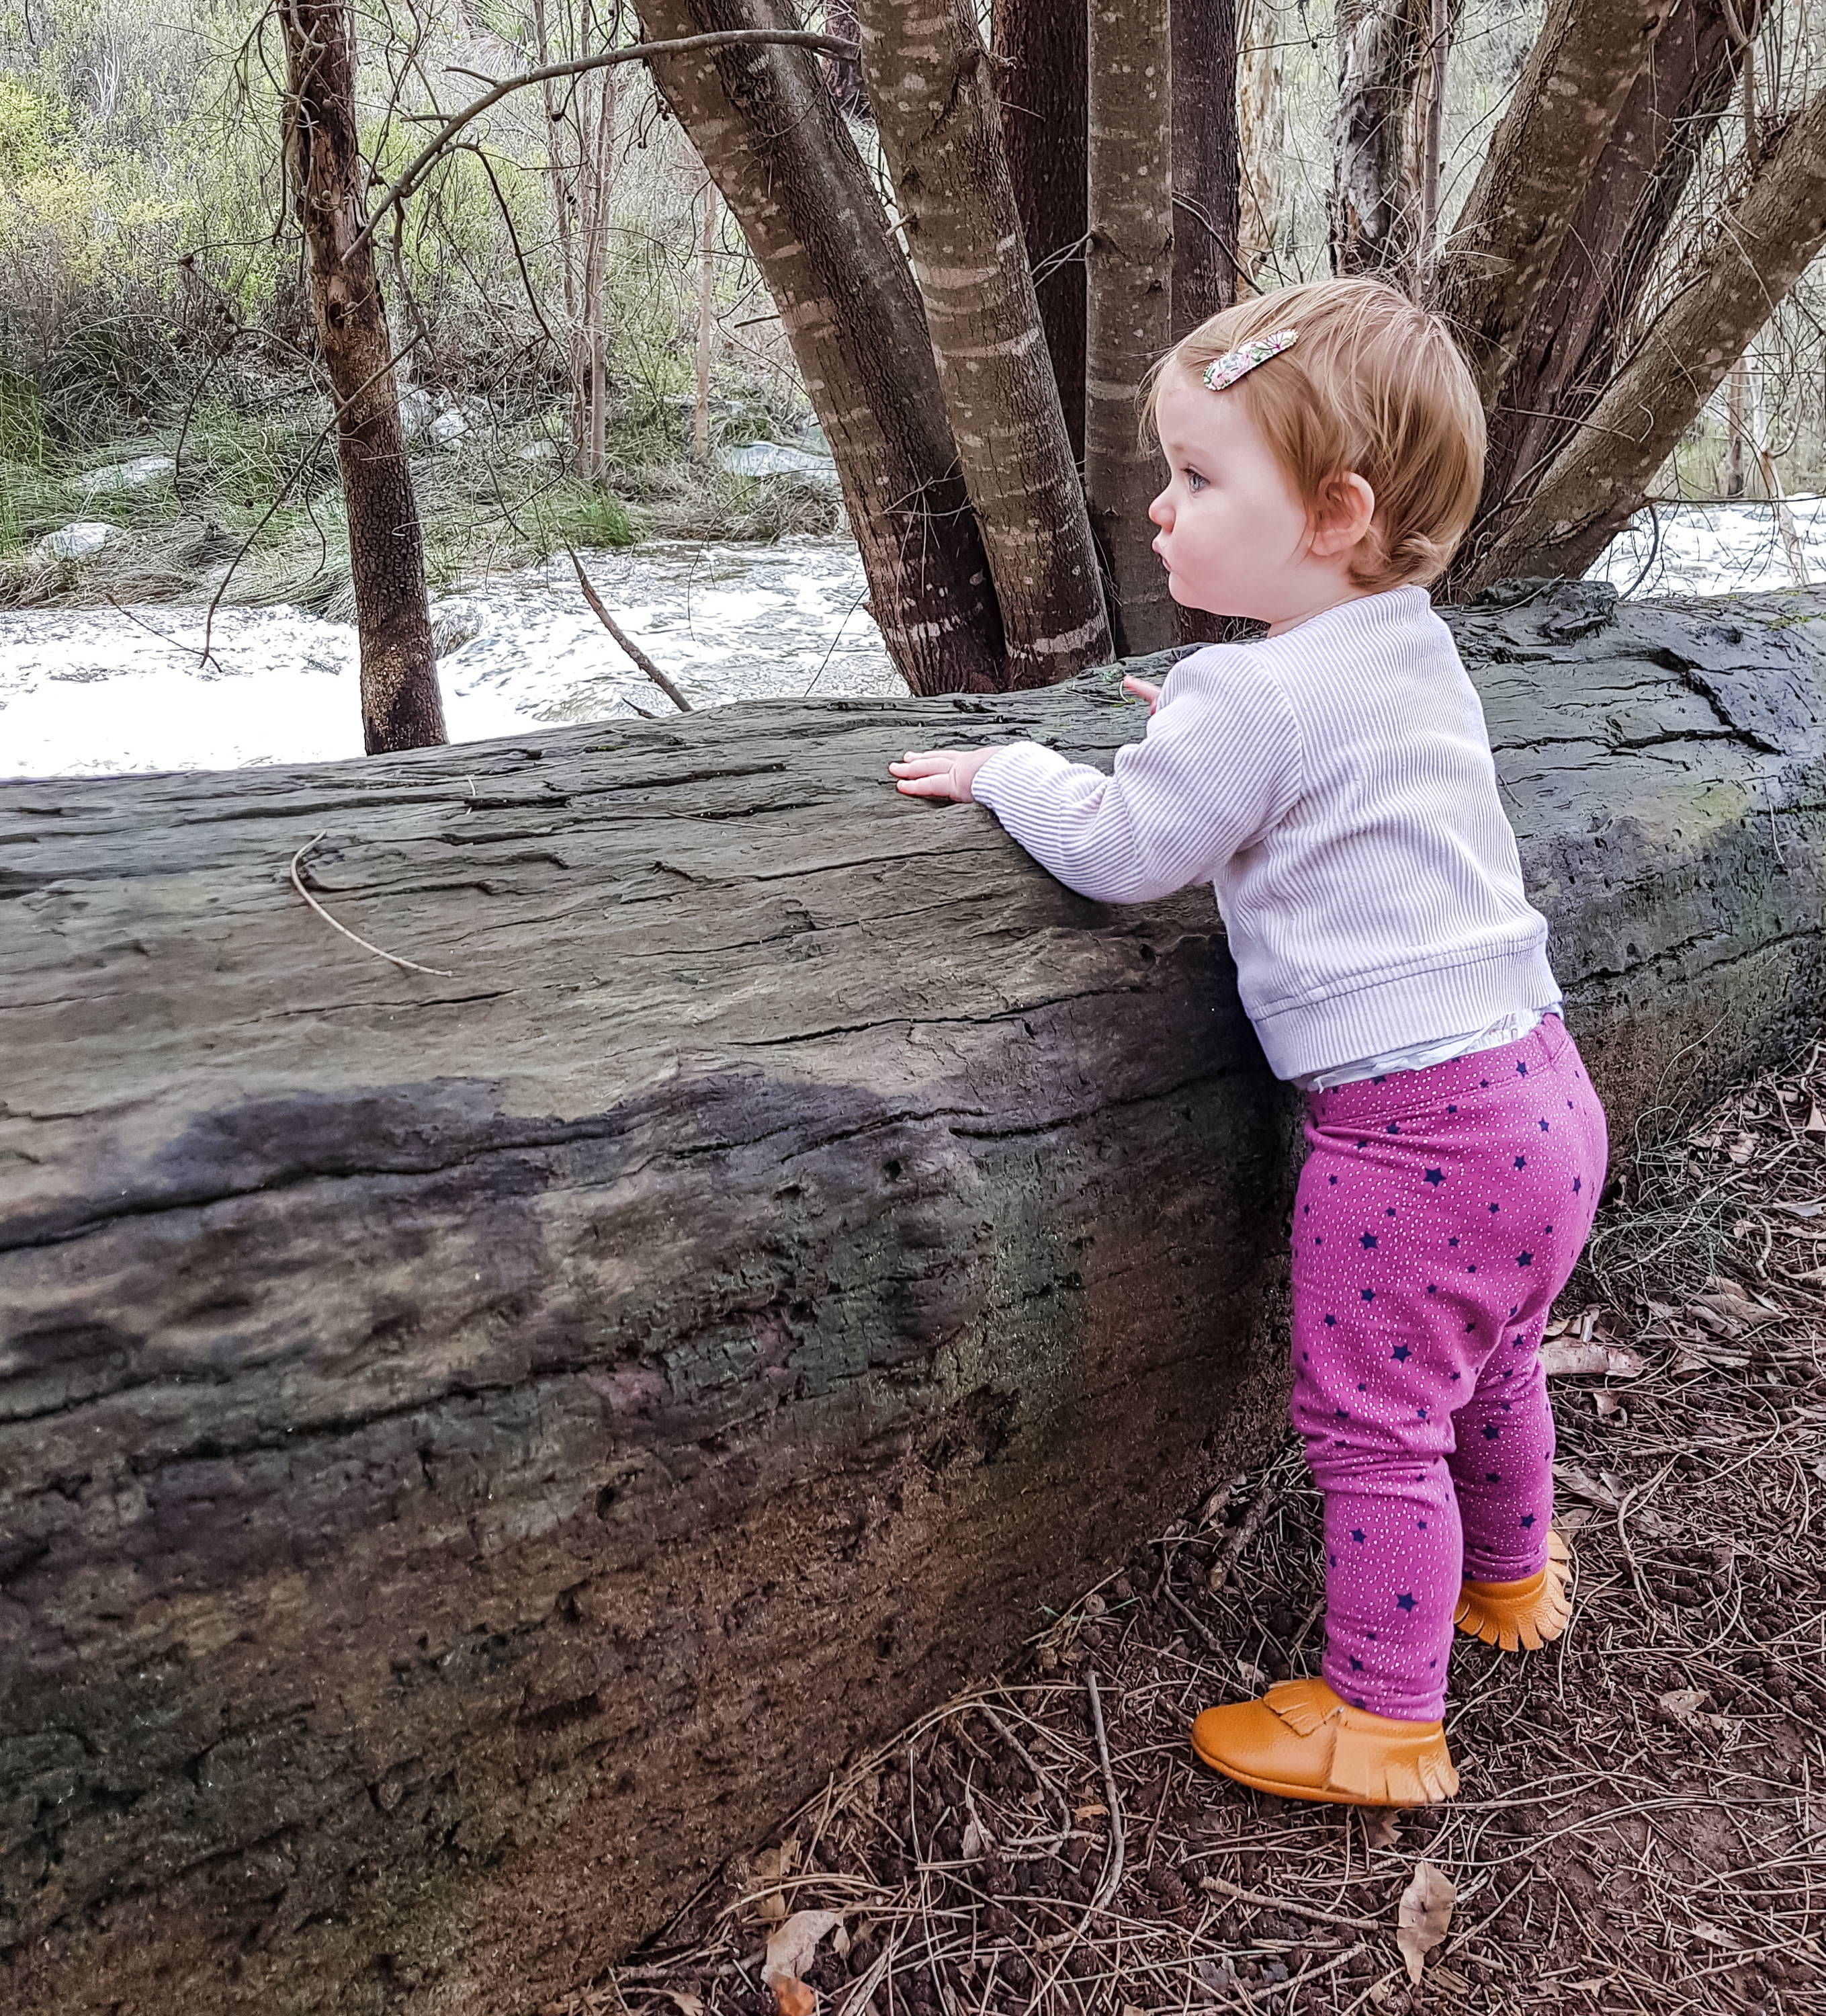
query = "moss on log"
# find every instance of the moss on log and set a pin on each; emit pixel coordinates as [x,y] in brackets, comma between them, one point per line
[476,1446]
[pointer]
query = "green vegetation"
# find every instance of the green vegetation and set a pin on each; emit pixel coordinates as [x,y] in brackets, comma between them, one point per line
[150,304]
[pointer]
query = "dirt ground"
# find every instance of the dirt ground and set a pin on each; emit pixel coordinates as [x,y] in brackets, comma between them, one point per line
[1642,1824]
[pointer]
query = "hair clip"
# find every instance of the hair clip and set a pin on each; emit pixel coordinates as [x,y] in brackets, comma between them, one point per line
[1224,371]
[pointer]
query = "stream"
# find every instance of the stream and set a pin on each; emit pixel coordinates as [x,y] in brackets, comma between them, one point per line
[93,692]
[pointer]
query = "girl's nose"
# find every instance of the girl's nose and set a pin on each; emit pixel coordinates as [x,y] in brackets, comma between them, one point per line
[1158,513]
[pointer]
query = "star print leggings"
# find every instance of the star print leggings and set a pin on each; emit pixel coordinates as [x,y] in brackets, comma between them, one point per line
[1438,1215]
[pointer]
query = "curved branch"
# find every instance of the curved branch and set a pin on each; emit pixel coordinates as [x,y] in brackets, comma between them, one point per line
[801,38]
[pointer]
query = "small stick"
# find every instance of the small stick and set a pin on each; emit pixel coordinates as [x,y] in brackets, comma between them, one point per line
[1112,1875]
[1215,1886]
[625,642]
[411,965]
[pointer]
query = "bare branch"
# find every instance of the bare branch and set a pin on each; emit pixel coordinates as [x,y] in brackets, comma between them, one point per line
[625,642]
[828,46]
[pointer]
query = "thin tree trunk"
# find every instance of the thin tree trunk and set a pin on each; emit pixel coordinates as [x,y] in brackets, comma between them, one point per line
[1206,176]
[765,125]
[400,708]
[1261,119]
[1039,45]
[1736,423]
[1784,524]
[706,326]
[1763,244]
[940,122]
[1375,203]
[1567,346]
[1504,249]
[1129,306]
[1439,51]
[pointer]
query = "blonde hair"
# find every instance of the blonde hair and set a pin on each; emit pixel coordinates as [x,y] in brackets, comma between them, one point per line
[1374,385]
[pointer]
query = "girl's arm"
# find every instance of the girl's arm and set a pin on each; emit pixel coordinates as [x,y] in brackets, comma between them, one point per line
[1219,766]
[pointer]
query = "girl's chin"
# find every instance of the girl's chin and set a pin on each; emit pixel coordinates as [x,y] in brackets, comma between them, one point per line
[1188,596]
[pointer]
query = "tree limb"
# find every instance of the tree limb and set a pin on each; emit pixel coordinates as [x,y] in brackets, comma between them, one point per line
[1596,483]
[1503,247]
[830,45]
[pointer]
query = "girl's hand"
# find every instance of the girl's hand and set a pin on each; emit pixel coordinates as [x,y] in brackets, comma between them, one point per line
[940,773]
[1142,690]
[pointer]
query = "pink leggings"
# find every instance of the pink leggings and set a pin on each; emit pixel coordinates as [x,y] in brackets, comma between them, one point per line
[1438,1215]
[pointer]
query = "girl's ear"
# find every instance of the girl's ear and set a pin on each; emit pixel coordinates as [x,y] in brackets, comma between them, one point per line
[1341,518]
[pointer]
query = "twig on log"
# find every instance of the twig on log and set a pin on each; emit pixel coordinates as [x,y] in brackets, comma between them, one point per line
[625,642]
[635,52]
[411,965]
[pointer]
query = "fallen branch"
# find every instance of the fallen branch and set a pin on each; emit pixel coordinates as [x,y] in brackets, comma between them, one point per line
[625,642]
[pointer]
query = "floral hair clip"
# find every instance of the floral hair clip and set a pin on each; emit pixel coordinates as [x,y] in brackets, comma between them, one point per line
[1224,371]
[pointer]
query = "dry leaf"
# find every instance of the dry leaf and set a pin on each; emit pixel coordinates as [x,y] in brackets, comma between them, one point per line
[689,2005]
[1567,1357]
[1811,1208]
[1683,1704]
[1816,1121]
[772,1866]
[789,1952]
[1741,1149]
[1424,1916]
[1381,1826]
[1607,1404]
[1713,1935]
[975,1841]
[1092,1812]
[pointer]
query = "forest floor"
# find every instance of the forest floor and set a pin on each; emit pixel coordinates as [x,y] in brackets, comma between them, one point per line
[1642,1824]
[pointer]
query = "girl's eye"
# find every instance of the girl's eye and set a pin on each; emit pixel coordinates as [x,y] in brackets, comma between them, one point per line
[1194,482]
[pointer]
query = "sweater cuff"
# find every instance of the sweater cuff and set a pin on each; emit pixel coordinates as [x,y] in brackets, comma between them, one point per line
[1014,768]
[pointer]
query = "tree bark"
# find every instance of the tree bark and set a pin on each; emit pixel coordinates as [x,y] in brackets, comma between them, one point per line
[1761,247]
[476,1452]
[1042,46]
[1206,168]
[939,121]
[1608,259]
[1504,246]
[766,126]
[400,707]
[1375,205]
[1129,307]
[1261,118]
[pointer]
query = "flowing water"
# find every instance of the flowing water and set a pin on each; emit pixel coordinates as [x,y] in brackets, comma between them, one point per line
[96,691]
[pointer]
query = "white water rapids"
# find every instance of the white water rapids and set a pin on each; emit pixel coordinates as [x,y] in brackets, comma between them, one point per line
[100,691]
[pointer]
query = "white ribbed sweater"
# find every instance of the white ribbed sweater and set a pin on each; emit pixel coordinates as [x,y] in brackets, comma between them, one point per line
[1334,785]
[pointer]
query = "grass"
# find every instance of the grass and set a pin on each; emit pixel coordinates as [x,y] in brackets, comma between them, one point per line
[1638,1828]
[255,499]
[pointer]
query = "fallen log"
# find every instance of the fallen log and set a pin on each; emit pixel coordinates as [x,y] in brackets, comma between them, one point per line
[481,1438]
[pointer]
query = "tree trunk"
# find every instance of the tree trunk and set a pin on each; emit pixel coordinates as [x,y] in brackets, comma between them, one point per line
[706,326]
[940,122]
[1042,44]
[1736,426]
[476,1451]
[1129,308]
[1375,204]
[1767,240]
[1589,304]
[767,128]
[1206,172]
[1505,246]
[1262,142]
[400,708]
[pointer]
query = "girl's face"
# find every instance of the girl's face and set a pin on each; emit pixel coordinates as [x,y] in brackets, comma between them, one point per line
[1236,537]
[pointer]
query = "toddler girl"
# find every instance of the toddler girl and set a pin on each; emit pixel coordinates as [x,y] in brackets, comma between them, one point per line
[1333,781]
